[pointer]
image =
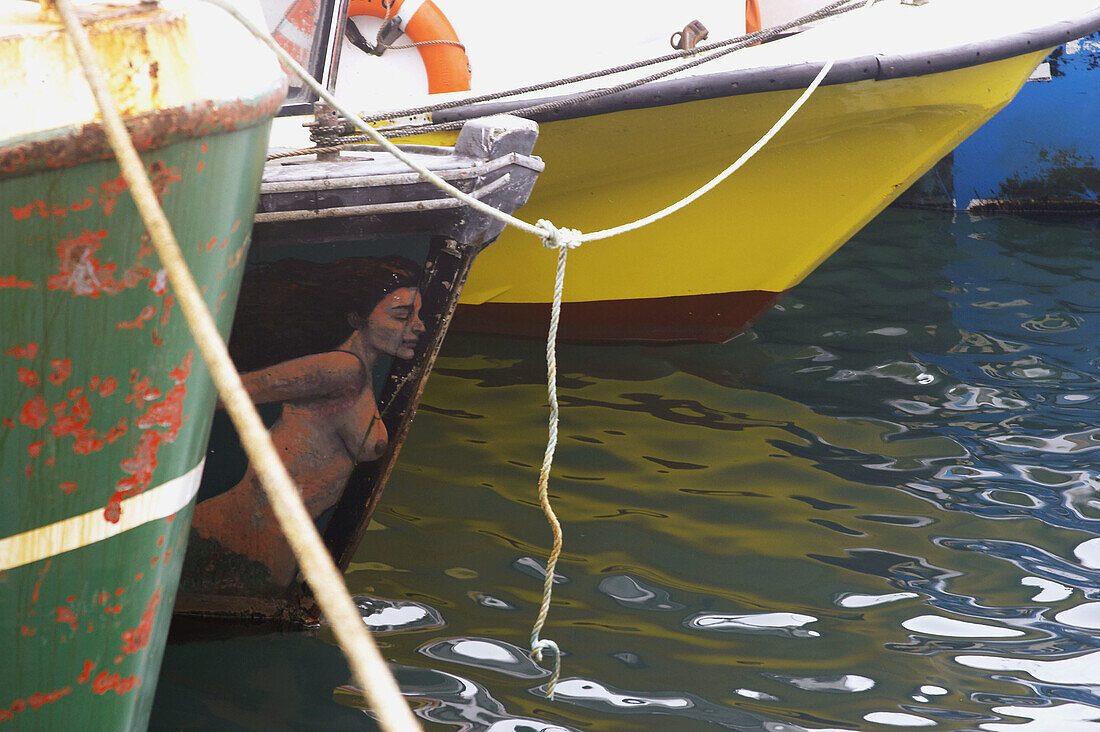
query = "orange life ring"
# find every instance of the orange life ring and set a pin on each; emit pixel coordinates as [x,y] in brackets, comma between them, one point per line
[447,65]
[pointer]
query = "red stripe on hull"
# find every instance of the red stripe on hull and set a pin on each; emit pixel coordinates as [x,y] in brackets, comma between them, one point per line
[712,318]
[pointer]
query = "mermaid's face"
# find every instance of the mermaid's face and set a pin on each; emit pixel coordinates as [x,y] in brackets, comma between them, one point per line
[394,326]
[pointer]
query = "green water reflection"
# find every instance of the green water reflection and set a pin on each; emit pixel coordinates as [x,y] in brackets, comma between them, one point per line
[834,522]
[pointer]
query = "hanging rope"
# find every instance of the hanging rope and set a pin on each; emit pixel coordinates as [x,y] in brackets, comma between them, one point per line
[562,239]
[367,665]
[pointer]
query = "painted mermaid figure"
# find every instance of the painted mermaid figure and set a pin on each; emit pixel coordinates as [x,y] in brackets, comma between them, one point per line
[330,420]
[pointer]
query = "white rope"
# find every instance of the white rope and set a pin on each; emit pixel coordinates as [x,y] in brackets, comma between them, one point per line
[366,663]
[563,240]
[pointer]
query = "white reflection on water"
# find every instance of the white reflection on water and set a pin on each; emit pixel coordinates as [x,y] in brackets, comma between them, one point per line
[785,624]
[1063,718]
[844,684]
[1083,669]
[486,653]
[899,719]
[938,625]
[461,703]
[632,592]
[1086,615]
[393,616]
[1071,442]
[593,694]
[757,695]
[853,600]
[1089,553]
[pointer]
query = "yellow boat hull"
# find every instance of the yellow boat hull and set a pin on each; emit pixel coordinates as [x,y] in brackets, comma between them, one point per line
[707,272]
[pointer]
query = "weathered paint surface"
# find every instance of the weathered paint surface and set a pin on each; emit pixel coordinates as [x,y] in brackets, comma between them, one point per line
[103,400]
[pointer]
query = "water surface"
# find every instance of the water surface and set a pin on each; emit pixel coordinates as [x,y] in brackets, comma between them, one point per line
[875,510]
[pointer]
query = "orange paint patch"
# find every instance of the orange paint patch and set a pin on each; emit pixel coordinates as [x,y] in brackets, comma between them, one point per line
[105,682]
[35,448]
[67,616]
[109,192]
[34,414]
[28,377]
[11,283]
[38,700]
[140,467]
[162,176]
[117,431]
[210,244]
[235,258]
[142,390]
[147,247]
[86,673]
[67,487]
[145,315]
[169,301]
[62,369]
[107,387]
[137,638]
[28,351]
[158,283]
[200,166]
[75,424]
[8,422]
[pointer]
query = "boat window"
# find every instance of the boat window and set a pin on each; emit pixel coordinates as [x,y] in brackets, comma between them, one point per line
[301,27]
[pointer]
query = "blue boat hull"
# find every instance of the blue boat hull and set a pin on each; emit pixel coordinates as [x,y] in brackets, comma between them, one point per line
[1038,154]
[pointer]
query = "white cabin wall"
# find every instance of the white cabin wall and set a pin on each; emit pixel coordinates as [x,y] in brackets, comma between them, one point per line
[775,12]
[519,42]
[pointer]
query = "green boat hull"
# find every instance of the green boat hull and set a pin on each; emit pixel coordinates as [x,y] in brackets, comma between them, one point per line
[105,410]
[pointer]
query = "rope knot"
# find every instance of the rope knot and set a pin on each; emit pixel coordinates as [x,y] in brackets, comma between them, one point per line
[537,647]
[555,238]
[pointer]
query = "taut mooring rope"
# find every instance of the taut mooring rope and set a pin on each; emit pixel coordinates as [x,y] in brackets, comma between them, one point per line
[367,665]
